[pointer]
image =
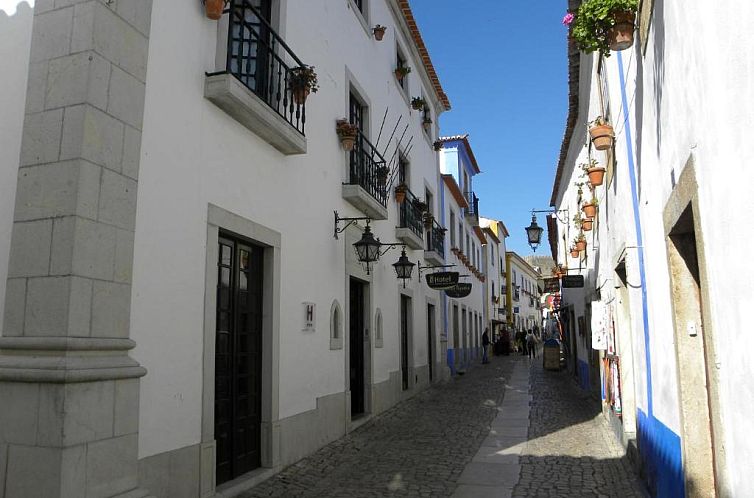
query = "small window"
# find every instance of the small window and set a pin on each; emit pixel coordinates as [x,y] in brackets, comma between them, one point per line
[378,329]
[400,62]
[336,326]
[403,170]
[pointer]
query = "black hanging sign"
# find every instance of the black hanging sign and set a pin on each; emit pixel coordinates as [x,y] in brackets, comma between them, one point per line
[459,290]
[442,280]
[552,285]
[573,281]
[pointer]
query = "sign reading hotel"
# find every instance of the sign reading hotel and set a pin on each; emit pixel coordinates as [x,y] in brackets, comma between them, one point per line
[459,290]
[442,280]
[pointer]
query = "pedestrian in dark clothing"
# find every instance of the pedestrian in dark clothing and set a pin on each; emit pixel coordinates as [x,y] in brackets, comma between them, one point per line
[485,346]
[531,344]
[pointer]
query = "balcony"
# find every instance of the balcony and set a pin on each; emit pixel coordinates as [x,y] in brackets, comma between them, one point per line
[411,226]
[254,86]
[435,250]
[366,188]
[472,212]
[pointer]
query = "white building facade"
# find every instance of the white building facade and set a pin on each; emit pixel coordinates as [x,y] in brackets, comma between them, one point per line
[523,294]
[662,309]
[183,307]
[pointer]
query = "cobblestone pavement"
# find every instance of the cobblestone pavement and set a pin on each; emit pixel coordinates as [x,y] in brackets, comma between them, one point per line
[571,451]
[418,448]
[421,447]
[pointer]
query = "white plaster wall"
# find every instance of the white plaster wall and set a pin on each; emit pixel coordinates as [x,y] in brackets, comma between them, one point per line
[15,42]
[194,154]
[691,100]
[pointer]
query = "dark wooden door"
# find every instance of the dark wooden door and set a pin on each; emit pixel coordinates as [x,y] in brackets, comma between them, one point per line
[431,339]
[405,307]
[356,346]
[238,359]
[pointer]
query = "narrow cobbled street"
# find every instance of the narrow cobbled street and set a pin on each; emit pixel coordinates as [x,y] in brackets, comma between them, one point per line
[467,438]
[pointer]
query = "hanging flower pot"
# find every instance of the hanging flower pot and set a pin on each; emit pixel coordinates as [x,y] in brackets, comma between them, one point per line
[382,172]
[621,35]
[580,245]
[418,103]
[379,32]
[400,193]
[347,133]
[574,252]
[401,72]
[437,145]
[596,175]
[302,80]
[429,220]
[602,134]
[590,209]
[213,9]
[587,224]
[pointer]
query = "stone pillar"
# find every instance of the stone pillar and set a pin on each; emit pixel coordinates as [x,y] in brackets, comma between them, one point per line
[69,392]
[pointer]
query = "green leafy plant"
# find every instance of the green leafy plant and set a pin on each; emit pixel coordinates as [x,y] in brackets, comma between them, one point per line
[418,103]
[585,167]
[577,220]
[402,71]
[592,21]
[303,77]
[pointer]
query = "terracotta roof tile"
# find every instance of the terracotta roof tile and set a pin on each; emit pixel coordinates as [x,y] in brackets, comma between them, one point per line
[423,52]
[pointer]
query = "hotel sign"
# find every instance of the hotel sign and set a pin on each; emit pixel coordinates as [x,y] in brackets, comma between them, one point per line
[573,281]
[459,290]
[442,280]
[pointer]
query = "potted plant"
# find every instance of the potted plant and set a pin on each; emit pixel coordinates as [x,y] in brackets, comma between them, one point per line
[420,205]
[400,193]
[401,72]
[578,221]
[595,172]
[301,81]
[379,32]
[418,103]
[590,208]
[347,132]
[437,145]
[603,25]
[602,133]
[382,172]
[586,225]
[213,9]
[580,242]
[429,220]
[574,252]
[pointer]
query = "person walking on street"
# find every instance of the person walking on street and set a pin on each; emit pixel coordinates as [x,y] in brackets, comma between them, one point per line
[485,346]
[531,344]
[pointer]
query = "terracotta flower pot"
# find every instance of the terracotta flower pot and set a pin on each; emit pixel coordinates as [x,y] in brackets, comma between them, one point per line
[621,35]
[300,94]
[574,253]
[602,136]
[399,74]
[580,245]
[596,175]
[214,9]
[590,210]
[347,143]
[586,225]
[379,32]
[400,196]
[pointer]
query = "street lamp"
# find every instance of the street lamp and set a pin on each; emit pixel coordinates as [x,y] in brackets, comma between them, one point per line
[404,267]
[534,233]
[368,248]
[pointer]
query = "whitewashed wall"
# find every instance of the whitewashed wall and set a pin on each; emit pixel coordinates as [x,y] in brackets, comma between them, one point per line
[194,154]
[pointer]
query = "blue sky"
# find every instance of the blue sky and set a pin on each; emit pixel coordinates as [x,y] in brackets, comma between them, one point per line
[503,64]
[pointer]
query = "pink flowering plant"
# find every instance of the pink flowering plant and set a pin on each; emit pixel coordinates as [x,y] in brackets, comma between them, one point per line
[592,21]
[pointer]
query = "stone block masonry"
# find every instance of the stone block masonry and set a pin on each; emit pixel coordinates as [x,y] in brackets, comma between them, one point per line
[71,429]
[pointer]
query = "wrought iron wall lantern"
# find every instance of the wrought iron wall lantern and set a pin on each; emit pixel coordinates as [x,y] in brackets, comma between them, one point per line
[534,231]
[369,249]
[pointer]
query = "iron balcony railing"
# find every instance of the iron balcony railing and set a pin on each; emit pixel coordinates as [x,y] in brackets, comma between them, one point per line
[473,209]
[436,239]
[411,214]
[262,61]
[366,167]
